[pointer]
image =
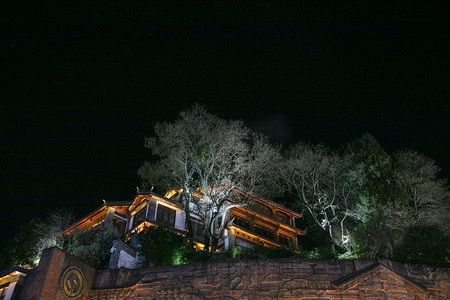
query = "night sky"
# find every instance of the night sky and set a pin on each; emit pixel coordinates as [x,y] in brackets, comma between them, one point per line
[81,86]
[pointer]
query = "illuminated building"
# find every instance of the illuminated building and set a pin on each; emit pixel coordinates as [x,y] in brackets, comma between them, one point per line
[263,223]
[60,275]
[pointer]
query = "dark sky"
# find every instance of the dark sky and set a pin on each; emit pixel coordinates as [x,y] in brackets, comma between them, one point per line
[81,86]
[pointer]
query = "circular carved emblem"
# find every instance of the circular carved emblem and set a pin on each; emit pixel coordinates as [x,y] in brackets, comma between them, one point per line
[72,282]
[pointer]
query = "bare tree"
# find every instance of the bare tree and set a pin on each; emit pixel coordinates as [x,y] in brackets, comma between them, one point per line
[213,158]
[428,197]
[51,228]
[317,180]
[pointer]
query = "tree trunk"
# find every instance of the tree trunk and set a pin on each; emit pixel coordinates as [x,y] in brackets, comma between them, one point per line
[187,210]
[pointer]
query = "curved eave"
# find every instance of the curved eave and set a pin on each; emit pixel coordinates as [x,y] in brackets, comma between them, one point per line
[13,271]
[273,204]
[270,220]
[141,197]
[85,219]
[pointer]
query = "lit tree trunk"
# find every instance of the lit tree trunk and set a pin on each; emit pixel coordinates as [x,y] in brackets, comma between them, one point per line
[187,209]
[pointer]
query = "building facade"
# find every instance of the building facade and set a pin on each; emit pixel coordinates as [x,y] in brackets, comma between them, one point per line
[263,222]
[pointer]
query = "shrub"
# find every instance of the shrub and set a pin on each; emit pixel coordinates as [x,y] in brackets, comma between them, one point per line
[161,246]
[258,252]
[424,245]
[93,246]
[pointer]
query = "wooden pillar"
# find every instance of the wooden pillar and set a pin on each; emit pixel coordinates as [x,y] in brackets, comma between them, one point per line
[251,222]
[276,233]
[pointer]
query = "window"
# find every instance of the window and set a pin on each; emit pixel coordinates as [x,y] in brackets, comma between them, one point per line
[151,210]
[283,218]
[241,222]
[265,232]
[285,240]
[119,224]
[165,216]
[139,216]
[198,228]
[262,209]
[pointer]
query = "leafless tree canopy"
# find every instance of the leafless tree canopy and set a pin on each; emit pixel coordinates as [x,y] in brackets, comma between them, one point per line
[203,154]
[316,178]
[428,198]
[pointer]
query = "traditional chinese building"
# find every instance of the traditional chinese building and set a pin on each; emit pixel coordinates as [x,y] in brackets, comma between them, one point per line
[263,222]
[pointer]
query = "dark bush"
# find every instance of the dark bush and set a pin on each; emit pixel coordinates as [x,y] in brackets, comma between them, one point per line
[424,245]
[161,246]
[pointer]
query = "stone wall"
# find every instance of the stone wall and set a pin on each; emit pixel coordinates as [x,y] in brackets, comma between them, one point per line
[43,282]
[276,279]
[259,279]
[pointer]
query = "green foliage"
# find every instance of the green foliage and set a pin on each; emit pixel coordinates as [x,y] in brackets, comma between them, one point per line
[424,245]
[368,238]
[93,246]
[378,190]
[315,237]
[22,249]
[381,198]
[161,246]
[348,255]
[372,173]
[26,247]
[236,252]
[365,207]
[200,157]
[192,255]
[319,253]
[259,252]
[164,247]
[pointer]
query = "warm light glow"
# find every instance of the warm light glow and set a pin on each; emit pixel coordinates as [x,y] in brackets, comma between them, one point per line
[142,226]
[199,246]
[170,193]
[254,239]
